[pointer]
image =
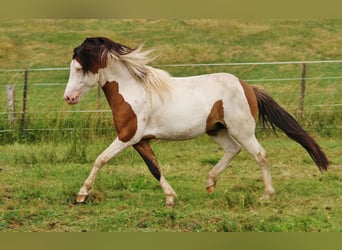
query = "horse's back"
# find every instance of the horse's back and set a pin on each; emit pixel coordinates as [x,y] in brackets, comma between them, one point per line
[184,113]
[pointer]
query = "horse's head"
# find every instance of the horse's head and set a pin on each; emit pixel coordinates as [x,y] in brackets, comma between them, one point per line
[79,82]
[88,59]
[91,58]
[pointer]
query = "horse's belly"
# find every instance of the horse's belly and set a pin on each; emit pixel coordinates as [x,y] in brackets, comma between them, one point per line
[179,134]
[178,129]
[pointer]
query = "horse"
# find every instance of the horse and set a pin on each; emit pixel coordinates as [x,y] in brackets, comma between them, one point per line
[148,103]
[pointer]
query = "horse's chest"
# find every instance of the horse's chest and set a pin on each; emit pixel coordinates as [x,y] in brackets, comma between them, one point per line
[125,119]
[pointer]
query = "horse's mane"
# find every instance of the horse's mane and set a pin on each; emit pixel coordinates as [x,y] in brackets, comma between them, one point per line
[95,52]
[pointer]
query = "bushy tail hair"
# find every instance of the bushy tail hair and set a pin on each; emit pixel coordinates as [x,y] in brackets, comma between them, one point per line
[272,115]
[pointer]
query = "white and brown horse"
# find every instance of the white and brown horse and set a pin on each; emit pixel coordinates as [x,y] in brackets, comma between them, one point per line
[148,103]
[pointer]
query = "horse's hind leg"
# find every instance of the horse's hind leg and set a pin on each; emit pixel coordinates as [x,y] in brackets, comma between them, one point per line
[231,149]
[146,152]
[258,152]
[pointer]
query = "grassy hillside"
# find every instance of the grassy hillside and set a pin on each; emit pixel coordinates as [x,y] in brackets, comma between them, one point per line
[49,43]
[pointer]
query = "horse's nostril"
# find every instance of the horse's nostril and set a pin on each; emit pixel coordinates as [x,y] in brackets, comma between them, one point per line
[68,99]
[72,99]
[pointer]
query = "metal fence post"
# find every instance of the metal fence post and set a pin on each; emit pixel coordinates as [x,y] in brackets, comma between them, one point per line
[11,105]
[23,113]
[302,91]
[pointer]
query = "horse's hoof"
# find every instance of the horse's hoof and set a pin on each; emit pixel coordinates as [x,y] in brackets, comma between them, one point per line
[211,189]
[170,205]
[81,198]
[266,196]
[170,202]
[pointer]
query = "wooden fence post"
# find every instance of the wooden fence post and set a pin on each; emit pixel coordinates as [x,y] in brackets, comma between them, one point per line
[302,91]
[11,105]
[23,113]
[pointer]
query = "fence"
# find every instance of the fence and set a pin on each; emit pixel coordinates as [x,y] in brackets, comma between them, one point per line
[32,105]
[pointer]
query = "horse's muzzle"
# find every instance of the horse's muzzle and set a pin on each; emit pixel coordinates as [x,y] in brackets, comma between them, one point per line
[72,99]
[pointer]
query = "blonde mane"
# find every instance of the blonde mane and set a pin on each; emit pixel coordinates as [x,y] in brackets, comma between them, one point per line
[154,80]
[94,53]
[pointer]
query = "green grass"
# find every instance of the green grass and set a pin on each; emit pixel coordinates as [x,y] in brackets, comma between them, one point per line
[42,171]
[38,188]
[33,43]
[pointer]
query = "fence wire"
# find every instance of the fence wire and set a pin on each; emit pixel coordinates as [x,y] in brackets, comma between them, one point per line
[46,110]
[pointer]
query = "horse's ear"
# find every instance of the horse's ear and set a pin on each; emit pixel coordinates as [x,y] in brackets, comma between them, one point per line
[76,51]
[92,41]
[87,40]
[102,40]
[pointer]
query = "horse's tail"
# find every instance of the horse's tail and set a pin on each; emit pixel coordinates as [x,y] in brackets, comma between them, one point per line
[272,115]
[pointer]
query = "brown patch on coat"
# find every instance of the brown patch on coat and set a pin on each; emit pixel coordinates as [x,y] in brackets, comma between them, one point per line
[125,120]
[146,152]
[215,121]
[251,98]
[148,137]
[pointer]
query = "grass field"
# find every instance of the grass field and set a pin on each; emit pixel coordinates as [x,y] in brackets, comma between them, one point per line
[39,184]
[41,174]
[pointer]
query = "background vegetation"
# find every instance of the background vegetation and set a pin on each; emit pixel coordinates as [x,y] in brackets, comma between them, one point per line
[41,170]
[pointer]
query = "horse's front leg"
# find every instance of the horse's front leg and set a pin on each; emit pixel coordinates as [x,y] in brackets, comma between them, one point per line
[116,147]
[146,152]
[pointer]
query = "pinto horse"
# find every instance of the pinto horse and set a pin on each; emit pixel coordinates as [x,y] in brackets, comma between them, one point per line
[147,103]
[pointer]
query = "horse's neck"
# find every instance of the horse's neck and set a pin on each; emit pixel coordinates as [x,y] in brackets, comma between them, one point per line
[118,72]
[116,81]
[156,85]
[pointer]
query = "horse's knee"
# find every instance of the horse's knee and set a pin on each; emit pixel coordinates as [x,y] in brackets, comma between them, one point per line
[99,162]
[262,158]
